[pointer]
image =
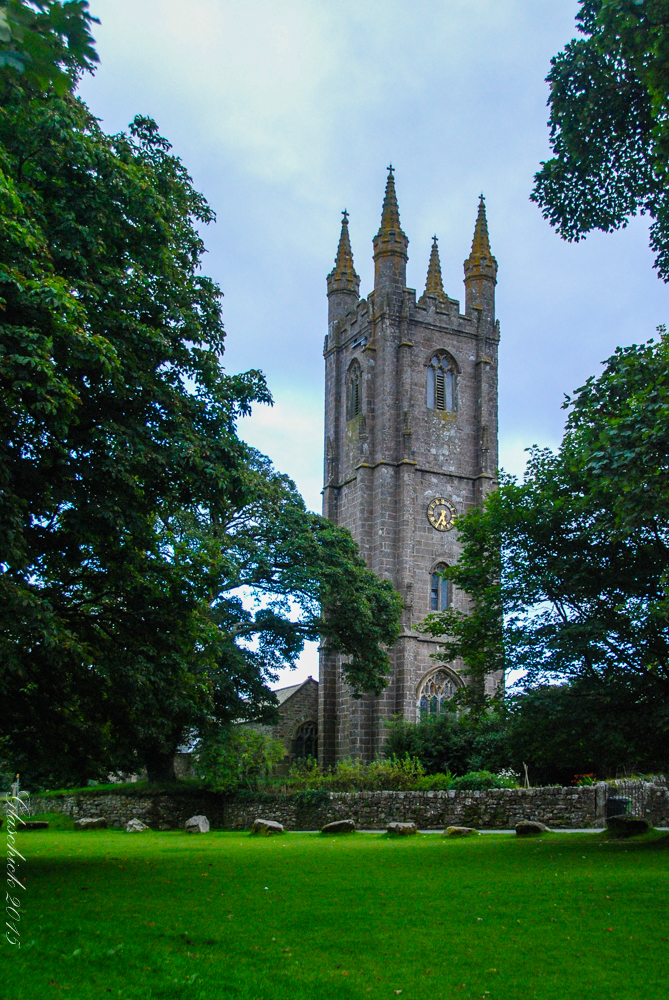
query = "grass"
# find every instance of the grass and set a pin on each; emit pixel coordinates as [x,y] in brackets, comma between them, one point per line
[305,917]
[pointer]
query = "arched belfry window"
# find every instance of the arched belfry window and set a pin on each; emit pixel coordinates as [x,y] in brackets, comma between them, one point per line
[441,590]
[354,391]
[305,743]
[434,694]
[441,384]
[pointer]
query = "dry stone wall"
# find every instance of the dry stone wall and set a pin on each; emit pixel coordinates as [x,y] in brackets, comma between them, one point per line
[495,809]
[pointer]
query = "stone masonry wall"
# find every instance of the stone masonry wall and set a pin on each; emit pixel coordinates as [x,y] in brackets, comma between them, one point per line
[300,707]
[495,809]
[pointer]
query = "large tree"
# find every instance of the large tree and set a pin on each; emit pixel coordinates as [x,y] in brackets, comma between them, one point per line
[568,571]
[133,520]
[609,122]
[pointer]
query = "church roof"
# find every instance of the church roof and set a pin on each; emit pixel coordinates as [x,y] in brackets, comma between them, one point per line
[283,694]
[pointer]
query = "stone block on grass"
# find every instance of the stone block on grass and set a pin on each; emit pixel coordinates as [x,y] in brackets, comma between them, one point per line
[627,826]
[135,825]
[530,828]
[33,824]
[197,824]
[402,829]
[339,826]
[90,823]
[460,831]
[266,828]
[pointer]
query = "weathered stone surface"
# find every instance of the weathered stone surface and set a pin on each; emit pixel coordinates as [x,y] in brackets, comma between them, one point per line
[460,831]
[492,809]
[91,823]
[389,453]
[135,825]
[402,829]
[530,828]
[627,826]
[339,826]
[32,824]
[197,824]
[266,827]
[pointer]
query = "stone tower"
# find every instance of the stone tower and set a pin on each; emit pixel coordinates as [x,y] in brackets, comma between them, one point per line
[410,443]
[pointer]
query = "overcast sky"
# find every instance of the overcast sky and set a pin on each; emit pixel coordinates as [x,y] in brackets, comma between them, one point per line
[287,111]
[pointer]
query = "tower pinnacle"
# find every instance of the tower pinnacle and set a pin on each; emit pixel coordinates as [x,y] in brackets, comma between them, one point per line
[390,245]
[481,263]
[434,284]
[481,269]
[343,278]
[390,216]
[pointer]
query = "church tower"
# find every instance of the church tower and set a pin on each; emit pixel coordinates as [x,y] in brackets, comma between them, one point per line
[410,443]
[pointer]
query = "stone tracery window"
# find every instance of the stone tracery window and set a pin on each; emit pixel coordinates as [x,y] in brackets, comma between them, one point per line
[305,743]
[441,384]
[441,590]
[434,693]
[354,391]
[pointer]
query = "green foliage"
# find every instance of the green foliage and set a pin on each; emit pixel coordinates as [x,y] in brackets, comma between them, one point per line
[451,743]
[609,124]
[588,727]
[479,780]
[238,757]
[393,774]
[569,569]
[131,515]
[47,42]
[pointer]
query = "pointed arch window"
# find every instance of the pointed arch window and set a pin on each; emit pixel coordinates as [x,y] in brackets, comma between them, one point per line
[306,740]
[441,590]
[354,391]
[434,694]
[440,384]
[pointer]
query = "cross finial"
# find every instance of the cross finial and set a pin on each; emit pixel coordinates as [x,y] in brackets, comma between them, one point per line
[390,168]
[344,217]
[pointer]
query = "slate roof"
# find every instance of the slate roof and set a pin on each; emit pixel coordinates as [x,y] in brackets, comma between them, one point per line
[283,694]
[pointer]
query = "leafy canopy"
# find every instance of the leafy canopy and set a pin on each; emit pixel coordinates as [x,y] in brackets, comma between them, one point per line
[133,520]
[568,571]
[609,124]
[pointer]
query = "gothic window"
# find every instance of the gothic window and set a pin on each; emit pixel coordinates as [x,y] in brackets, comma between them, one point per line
[306,740]
[354,391]
[434,694]
[440,384]
[440,589]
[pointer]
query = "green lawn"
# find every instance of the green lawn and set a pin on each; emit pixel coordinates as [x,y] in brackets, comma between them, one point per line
[305,917]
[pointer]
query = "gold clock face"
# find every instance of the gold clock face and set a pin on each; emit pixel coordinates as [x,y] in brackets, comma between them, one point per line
[441,514]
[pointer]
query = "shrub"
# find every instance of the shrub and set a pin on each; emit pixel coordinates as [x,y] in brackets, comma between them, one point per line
[452,743]
[478,780]
[238,757]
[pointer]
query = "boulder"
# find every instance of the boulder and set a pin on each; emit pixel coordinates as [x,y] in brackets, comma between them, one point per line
[402,829]
[460,831]
[135,825]
[339,826]
[266,827]
[197,824]
[33,824]
[627,826]
[90,823]
[530,828]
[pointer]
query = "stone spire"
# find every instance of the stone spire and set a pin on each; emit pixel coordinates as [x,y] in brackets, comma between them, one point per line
[481,270]
[342,278]
[390,245]
[481,263]
[390,216]
[343,282]
[434,284]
